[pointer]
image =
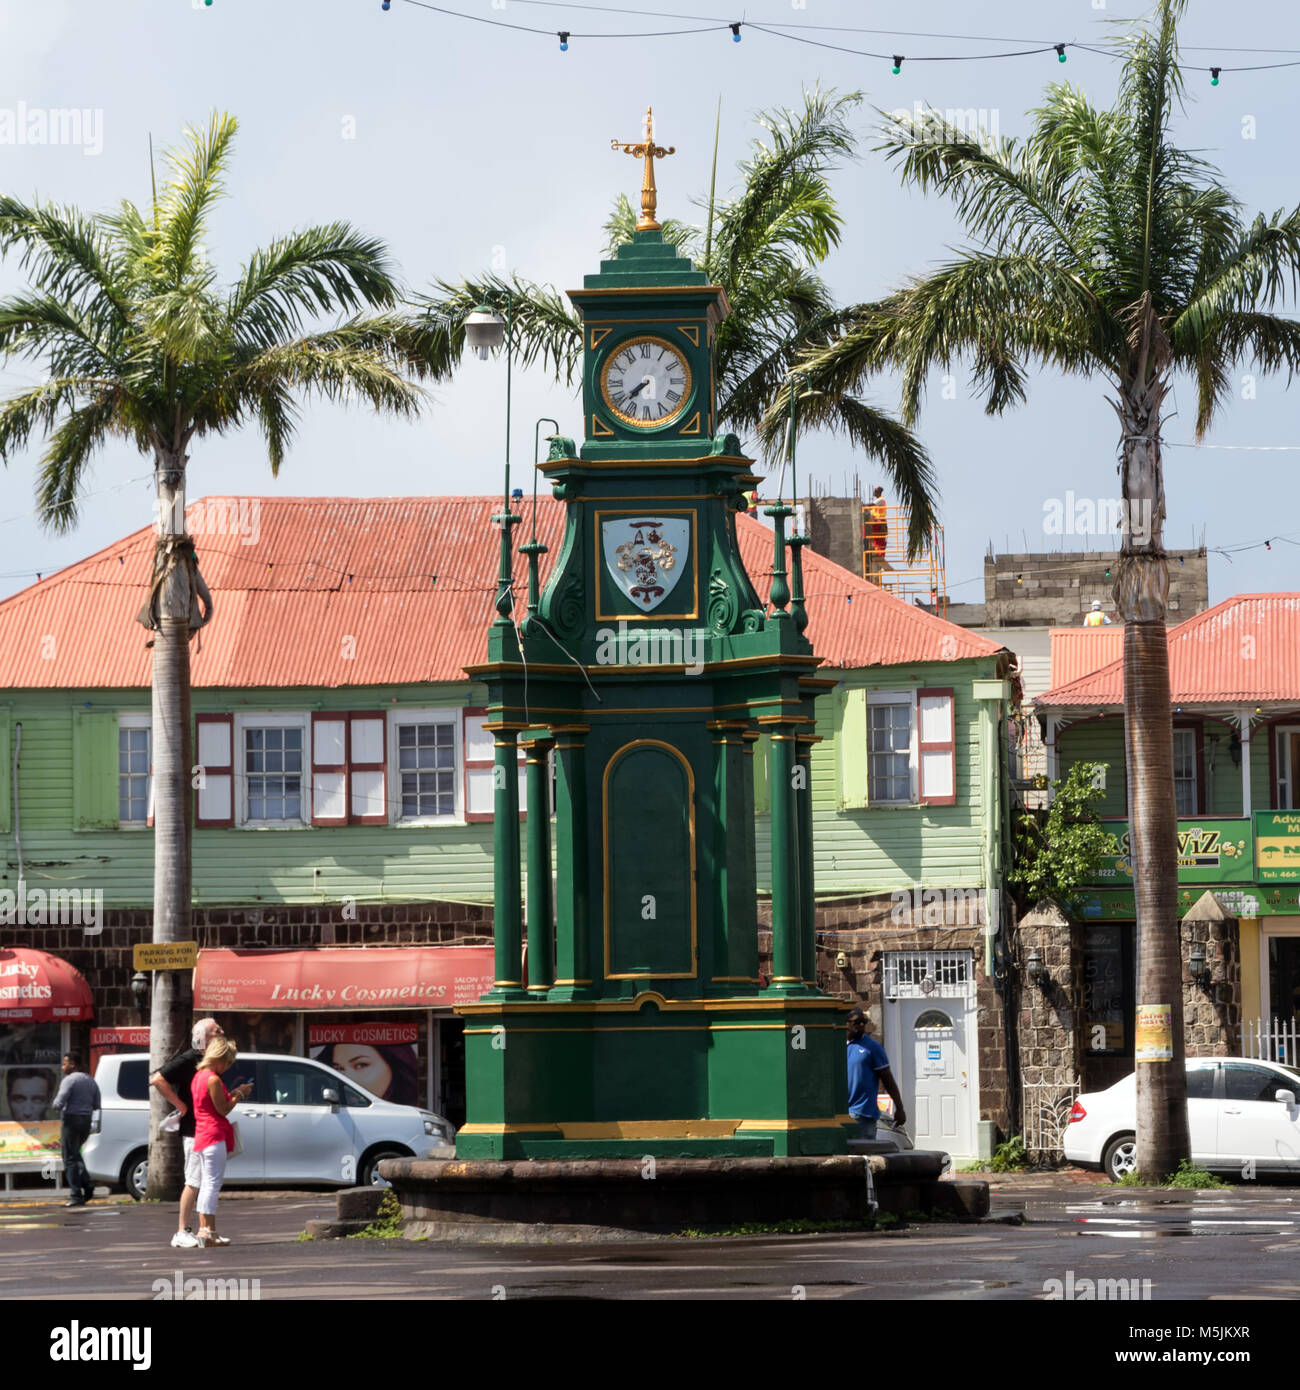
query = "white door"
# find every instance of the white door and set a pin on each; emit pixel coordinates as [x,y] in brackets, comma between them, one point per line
[932,1073]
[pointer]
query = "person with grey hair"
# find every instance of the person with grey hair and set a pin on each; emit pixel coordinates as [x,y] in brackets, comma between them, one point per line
[173,1081]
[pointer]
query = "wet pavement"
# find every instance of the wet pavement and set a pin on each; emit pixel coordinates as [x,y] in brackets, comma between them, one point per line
[1238,1243]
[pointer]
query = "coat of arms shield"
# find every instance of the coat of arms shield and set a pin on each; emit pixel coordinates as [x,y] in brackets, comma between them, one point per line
[646,555]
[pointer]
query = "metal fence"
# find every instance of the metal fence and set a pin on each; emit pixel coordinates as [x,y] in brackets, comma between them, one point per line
[1047,1106]
[1271,1040]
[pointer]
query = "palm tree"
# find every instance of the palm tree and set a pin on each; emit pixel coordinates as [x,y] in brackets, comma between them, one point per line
[1102,250]
[139,343]
[765,247]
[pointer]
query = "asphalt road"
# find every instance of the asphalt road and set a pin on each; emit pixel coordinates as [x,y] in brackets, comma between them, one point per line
[1242,1243]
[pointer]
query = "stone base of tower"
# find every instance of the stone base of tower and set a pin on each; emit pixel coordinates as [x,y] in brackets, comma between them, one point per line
[715,1078]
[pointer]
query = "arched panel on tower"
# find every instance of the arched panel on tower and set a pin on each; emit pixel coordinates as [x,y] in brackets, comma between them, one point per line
[649,853]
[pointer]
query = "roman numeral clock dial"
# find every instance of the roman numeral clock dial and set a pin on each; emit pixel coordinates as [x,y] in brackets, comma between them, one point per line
[646,383]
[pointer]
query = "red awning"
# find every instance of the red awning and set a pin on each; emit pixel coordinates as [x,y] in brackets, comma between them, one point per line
[330,977]
[42,988]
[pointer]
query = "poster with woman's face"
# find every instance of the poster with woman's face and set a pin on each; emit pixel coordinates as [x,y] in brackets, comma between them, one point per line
[378,1057]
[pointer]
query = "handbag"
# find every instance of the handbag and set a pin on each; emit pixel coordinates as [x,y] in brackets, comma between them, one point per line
[236,1145]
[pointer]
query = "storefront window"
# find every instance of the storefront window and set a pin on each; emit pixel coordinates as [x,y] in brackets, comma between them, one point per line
[29,1070]
[1107,989]
[382,1058]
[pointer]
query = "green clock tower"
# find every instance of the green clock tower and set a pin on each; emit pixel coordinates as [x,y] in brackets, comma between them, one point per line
[646,672]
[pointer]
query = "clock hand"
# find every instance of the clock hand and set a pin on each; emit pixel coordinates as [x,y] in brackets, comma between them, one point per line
[645,381]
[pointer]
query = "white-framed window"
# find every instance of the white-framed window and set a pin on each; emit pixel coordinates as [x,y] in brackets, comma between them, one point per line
[911,747]
[1186,798]
[891,749]
[134,771]
[272,769]
[424,759]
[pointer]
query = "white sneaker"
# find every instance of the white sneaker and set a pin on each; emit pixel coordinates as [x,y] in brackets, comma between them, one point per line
[185,1240]
[207,1238]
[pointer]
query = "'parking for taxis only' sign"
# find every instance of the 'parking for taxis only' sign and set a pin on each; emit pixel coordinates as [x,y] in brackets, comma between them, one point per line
[167,955]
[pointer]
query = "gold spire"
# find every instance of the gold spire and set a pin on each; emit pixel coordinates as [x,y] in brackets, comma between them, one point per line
[648,151]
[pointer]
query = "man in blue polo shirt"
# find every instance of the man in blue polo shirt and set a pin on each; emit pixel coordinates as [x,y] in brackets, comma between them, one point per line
[868,1072]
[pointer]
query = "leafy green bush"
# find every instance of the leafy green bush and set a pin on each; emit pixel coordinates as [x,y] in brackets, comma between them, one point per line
[1009,1157]
[1055,852]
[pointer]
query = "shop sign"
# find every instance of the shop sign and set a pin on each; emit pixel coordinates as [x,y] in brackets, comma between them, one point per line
[1243,900]
[1210,850]
[108,1042]
[1277,846]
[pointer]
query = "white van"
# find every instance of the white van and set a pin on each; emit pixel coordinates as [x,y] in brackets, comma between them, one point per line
[302,1123]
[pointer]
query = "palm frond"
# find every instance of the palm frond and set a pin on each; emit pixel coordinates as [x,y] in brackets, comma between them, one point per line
[544,329]
[197,168]
[314,271]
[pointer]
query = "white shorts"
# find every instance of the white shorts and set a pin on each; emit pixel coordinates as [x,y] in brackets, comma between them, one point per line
[193,1162]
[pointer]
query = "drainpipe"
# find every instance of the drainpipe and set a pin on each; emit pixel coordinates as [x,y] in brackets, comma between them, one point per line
[18,827]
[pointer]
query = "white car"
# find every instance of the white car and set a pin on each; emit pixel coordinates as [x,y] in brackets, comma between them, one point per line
[302,1123]
[1243,1116]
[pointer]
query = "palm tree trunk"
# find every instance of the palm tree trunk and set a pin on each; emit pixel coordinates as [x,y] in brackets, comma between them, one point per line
[1141,593]
[169,1018]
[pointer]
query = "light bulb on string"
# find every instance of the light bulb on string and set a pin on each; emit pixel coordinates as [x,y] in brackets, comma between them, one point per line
[735,33]
[564,40]
[1214,76]
[1060,52]
[386,5]
[898,64]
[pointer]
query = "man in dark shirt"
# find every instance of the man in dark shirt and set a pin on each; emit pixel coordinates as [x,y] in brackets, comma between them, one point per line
[76,1102]
[173,1080]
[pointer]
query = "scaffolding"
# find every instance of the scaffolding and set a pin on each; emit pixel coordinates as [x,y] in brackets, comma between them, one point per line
[885,563]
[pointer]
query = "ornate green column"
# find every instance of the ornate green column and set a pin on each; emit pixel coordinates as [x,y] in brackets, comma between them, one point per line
[507,914]
[787,971]
[541,941]
[807,899]
[734,948]
[573,979]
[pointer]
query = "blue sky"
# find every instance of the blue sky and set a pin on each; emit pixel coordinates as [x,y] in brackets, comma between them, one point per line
[466,145]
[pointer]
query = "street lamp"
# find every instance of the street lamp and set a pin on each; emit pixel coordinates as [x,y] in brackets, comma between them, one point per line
[1035,970]
[485,329]
[140,990]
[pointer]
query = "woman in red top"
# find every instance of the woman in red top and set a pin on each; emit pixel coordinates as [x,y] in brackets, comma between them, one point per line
[214,1136]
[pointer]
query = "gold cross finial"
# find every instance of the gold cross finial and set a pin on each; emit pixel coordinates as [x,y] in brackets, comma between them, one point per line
[648,151]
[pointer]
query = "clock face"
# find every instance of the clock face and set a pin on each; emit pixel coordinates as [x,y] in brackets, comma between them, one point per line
[646,383]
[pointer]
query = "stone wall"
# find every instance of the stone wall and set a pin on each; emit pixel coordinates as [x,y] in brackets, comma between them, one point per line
[105,959]
[1056,588]
[1212,1016]
[1049,1025]
[835,530]
[863,929]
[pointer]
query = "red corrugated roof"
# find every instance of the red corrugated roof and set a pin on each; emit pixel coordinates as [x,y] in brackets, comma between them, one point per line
[1078,651]
[410,579]
[1244,650]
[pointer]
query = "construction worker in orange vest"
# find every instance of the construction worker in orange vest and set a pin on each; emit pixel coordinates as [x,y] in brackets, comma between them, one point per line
[875,533]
